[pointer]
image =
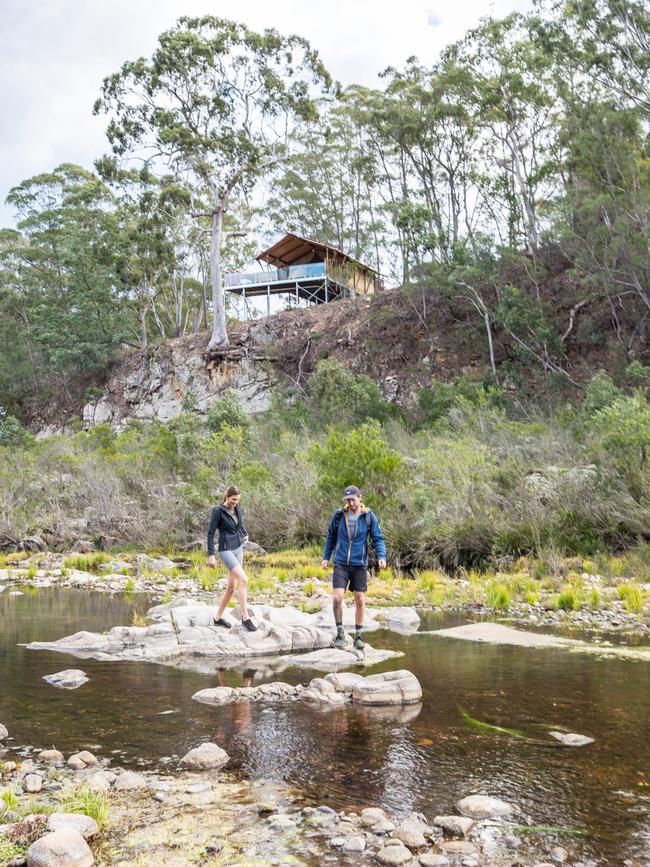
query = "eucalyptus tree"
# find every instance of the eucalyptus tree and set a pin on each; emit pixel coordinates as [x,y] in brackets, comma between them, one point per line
[220,103]
[60,274]
[328,189]
[509,89]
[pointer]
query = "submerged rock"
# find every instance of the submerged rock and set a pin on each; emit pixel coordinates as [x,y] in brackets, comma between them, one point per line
[484,807]
[71,678]
[571,739]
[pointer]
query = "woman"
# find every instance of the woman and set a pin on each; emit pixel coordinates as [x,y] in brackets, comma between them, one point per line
[228,519]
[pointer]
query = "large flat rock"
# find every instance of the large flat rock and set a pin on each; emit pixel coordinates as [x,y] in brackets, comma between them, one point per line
[183,635]
[499,633]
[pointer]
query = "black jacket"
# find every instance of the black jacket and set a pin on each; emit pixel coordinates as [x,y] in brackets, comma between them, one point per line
[231,533]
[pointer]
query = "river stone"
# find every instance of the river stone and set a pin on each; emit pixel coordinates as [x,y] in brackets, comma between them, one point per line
[64,848]
[33,783]
[86,826]
[394,853]
[357,843]
[457,826]
[411,831]
[207,756]
[3,732]
[280,822]
[559,854]
[128,780]
[483,807]
[571,739]
[383,826]
[459,847]
[388,688]
[199,787]
[371,815]
[432,859]
[50,756]
[98,781]
[84,759]
[71,678]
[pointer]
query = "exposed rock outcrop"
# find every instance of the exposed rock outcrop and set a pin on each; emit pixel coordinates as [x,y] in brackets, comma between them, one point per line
[183,633]
[381,690]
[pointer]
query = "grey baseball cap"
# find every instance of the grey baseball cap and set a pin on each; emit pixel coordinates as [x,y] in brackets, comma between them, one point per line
[351,491]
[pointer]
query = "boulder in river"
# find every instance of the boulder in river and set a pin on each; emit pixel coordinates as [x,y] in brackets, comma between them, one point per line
[3,732]
[70,678]
[391,688]
[484,807]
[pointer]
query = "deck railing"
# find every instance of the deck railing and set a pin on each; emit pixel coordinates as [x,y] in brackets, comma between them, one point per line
[275,275]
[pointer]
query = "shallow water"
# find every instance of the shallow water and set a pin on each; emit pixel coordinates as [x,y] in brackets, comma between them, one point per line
[143,714]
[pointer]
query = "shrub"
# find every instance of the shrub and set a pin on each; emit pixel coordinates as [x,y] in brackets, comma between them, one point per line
[227,410]
[360,456]
[601,392]
[340,397]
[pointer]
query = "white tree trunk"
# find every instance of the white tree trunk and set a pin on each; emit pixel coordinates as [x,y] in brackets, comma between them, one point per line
[219,338]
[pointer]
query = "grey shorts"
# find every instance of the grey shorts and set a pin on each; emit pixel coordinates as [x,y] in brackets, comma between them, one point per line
[231,559]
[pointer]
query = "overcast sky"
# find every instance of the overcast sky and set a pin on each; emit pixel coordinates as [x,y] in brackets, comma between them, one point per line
[55,53]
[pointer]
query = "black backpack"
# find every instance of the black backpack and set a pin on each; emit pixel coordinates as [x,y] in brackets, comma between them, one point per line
[373,562]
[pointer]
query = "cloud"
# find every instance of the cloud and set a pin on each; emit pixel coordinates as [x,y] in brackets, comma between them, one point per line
[55,53]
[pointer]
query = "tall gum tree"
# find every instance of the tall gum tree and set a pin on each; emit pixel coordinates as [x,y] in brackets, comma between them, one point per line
[220,103]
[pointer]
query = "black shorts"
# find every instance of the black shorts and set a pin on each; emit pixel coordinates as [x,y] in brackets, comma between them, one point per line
[355,576]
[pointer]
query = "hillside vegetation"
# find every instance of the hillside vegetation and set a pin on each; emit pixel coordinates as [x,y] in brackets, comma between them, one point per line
[504,189]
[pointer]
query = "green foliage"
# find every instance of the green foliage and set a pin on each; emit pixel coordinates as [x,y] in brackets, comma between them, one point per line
[622,430]
[601,393]
[436,401]
[338,396]
[361,457]
[10,850]
[227,410]
[569,599]
[88,802]
[633,597]
[12,433]
[497,596]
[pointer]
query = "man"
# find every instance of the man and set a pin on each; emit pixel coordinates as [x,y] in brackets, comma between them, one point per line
[347,544]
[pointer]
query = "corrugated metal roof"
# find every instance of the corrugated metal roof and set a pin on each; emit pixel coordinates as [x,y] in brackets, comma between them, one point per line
[295,250]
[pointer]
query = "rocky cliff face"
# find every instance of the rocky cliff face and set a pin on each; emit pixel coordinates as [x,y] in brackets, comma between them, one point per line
[381,337]
[175,377]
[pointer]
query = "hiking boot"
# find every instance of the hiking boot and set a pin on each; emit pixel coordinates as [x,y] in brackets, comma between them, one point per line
[249,625]
[340,640]
[221,622]
[359,643]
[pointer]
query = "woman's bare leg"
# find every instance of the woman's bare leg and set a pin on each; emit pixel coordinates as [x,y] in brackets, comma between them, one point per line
[241,577]
[225,599]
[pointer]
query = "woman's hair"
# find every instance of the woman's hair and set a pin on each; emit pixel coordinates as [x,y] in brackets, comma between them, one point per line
[232,491]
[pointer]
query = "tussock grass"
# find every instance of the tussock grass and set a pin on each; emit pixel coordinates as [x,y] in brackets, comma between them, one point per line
[87,562]
[633,597]
[90,803]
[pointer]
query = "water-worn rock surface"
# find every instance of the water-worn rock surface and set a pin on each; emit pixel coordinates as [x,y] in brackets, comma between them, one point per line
[336,690]
[183,632]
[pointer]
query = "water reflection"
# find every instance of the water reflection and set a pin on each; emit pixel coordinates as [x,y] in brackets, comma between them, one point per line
[420,758]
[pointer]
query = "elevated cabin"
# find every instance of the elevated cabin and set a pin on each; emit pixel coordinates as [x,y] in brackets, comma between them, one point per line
[303,270]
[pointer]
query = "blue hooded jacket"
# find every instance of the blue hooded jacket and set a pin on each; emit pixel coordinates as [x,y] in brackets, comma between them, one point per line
[353,551]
